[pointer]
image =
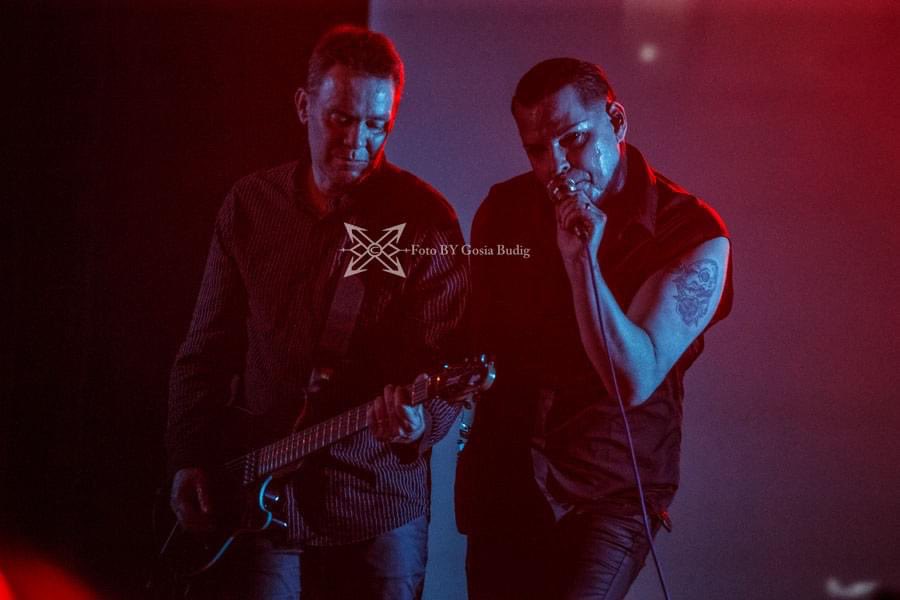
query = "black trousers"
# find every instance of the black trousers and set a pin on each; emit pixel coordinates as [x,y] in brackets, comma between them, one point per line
[586,555]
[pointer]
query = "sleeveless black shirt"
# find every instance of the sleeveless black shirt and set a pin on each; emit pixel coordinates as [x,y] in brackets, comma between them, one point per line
[548,437]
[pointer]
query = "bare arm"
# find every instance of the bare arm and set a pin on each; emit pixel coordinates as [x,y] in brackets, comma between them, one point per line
[668,312]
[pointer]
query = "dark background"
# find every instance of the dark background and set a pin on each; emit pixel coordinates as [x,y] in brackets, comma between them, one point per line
[126,126]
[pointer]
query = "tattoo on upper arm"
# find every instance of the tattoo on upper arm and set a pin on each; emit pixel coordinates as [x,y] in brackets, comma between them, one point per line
[695,283]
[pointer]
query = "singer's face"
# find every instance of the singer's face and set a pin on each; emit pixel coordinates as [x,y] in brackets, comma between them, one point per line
[567,140]
[348,119]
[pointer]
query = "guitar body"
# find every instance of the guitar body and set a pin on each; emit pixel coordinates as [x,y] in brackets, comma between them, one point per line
[252,511]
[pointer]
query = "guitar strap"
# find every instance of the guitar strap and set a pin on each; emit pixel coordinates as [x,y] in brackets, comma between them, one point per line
[334,339]
[340,323]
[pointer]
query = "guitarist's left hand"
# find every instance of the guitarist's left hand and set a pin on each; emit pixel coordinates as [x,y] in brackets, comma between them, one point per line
[391,418]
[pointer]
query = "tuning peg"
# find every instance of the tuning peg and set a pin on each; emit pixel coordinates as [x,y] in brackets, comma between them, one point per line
[279,523]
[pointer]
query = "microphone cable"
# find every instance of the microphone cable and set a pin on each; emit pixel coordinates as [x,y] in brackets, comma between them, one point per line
[634,465]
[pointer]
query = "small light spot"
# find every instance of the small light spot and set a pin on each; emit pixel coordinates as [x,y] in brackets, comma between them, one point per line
[648,52]
[859,589]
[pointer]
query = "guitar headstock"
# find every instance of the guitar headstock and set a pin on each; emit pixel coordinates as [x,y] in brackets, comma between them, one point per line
[459,382]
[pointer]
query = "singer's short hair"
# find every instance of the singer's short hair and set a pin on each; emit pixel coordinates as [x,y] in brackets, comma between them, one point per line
[359,49]
[550,76]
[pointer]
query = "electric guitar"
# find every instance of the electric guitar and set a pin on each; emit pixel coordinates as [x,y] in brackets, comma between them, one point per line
[248,480]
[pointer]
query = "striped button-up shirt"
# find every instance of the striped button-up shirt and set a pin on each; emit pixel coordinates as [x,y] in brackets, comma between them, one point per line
[272,269]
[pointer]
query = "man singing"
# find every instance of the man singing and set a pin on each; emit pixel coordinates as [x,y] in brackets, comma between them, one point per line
[627,272]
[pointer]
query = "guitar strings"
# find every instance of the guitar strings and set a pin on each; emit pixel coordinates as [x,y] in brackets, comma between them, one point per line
[285,450]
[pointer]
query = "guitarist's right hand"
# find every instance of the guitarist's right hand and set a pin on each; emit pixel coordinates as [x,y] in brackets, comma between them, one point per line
[190,499]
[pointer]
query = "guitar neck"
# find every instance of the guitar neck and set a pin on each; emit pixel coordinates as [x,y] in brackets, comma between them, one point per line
[289,451]
[292,449]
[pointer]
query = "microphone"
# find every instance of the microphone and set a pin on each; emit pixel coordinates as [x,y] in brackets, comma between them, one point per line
[558,191]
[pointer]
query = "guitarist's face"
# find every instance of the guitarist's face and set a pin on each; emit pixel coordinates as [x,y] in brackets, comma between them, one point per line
[348,118]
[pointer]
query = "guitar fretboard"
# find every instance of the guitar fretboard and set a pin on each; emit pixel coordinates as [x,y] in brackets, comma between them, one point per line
[291,449]
[288,451]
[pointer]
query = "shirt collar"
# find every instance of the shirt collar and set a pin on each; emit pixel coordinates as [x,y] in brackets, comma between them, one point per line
[638,201]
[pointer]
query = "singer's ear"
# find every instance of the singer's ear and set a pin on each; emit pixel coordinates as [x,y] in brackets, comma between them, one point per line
[617,118]
[301,101]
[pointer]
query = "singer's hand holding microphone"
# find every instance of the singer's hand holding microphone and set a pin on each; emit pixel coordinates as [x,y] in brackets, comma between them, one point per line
[579,223]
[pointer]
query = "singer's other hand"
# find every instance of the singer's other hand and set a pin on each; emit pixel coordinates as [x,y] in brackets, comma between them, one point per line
[578,221]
